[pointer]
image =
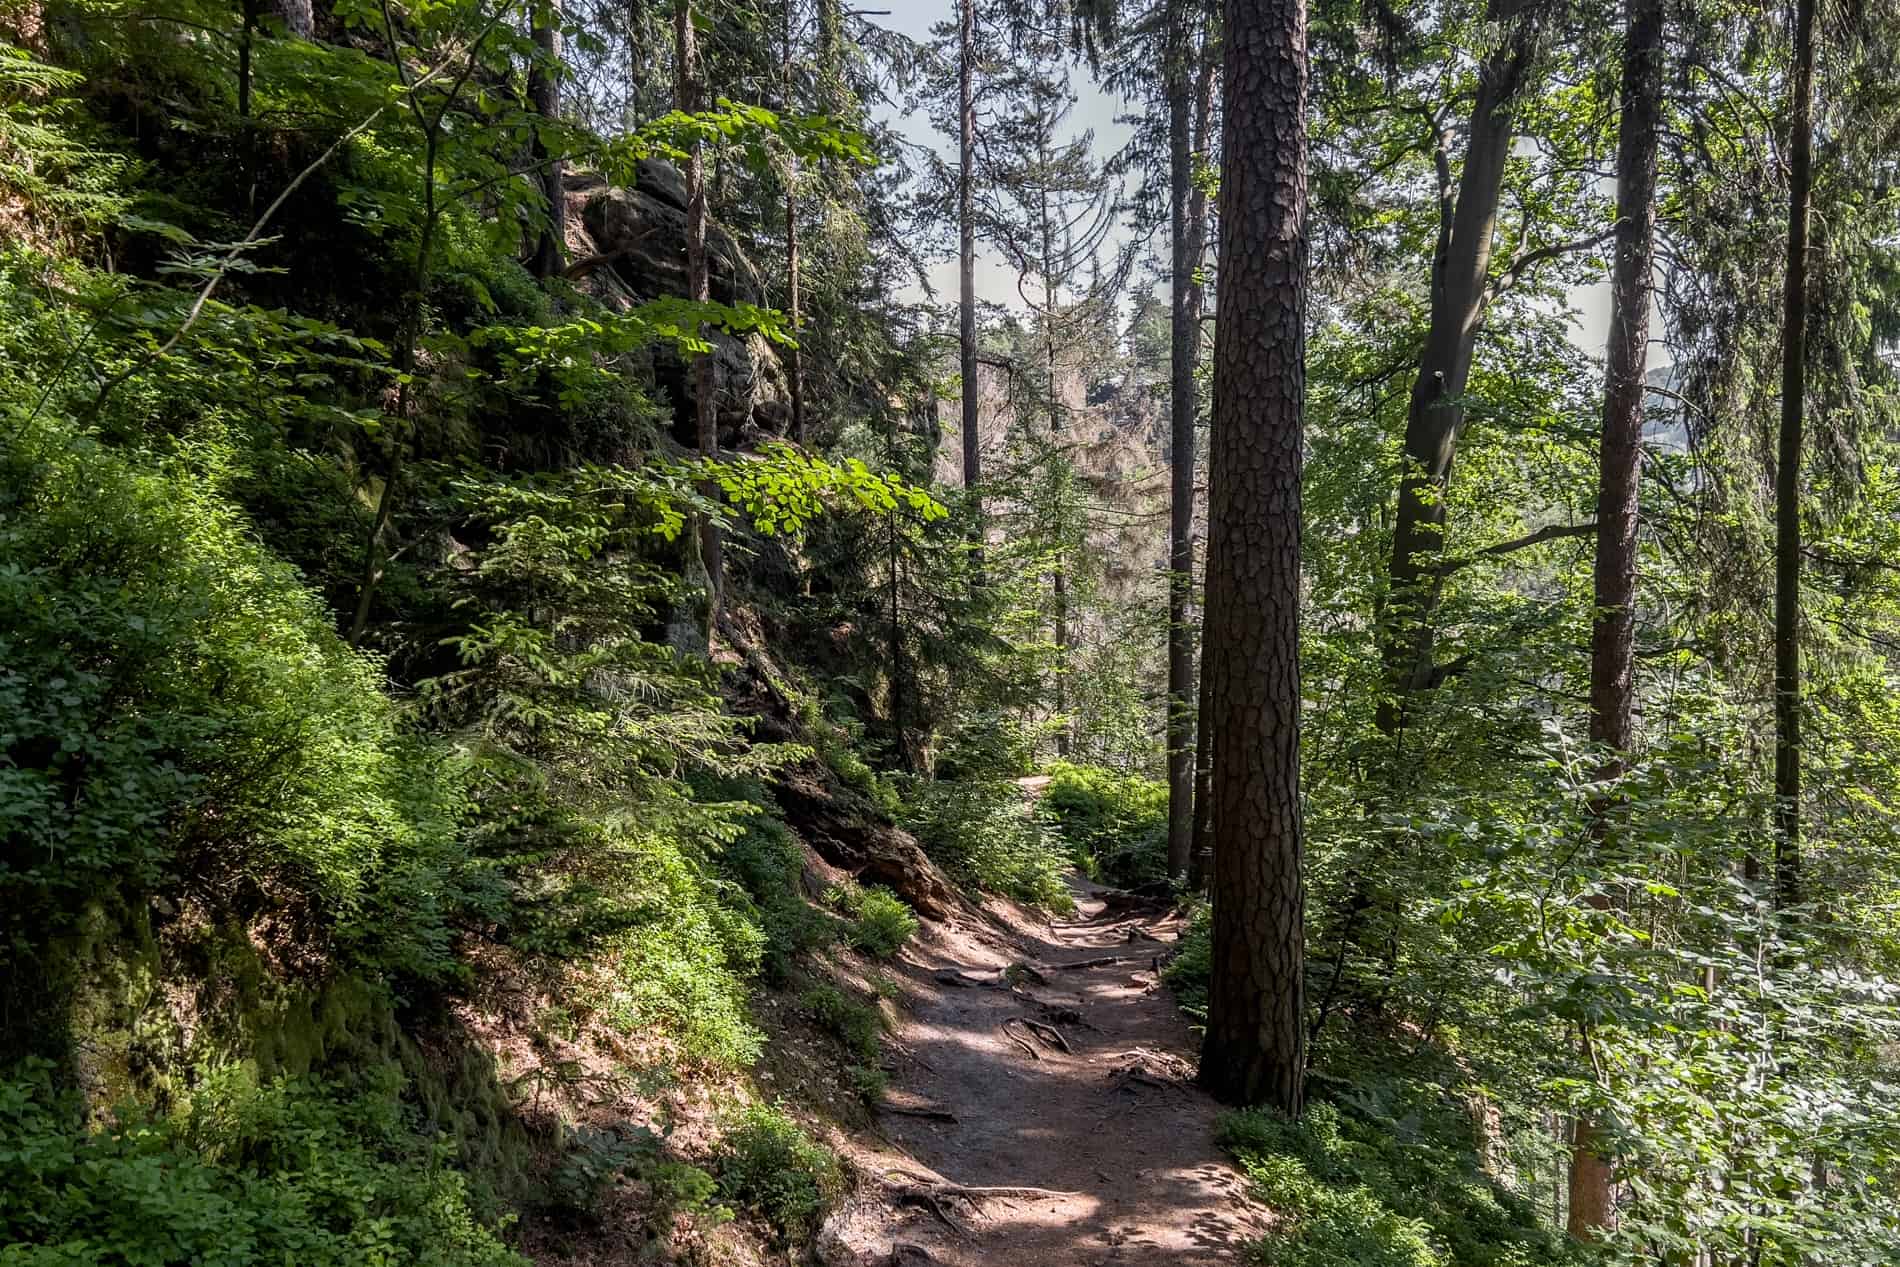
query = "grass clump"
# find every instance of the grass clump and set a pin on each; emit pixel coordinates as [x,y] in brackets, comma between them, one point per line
[881,922]
[983,833]
[1116,824]
[770,1167]
[1357,1188]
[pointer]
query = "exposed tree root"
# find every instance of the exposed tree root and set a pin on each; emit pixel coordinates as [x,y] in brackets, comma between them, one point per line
[1049,1034]
[1105,961]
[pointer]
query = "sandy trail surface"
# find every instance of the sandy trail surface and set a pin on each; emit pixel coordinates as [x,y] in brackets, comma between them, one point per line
[1042,1110]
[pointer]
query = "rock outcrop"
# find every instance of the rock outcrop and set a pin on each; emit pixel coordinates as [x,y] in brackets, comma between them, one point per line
[629,245]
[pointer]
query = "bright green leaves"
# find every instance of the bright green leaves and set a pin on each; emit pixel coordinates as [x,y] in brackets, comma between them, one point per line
[753,132]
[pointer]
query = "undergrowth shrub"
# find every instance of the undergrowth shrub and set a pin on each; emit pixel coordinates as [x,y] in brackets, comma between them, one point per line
[1387,1179]
[293,1171]
[1115,823]
[858,1026]
[769,867]
[683,962]
[180,713]
[881,922]
[770,1167]
[984,834]
[1187,972]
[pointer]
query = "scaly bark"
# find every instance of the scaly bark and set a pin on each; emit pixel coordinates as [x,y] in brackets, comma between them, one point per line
[1254,1051]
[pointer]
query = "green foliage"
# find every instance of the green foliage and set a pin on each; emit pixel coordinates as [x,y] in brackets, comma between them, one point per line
[593,1160]
[859,1026]
[769,867]
[180,711]
[881,922]
[1119,822]
[1187,971]
[984,834]
[295,1170]
[1356,1187]
[771,1168]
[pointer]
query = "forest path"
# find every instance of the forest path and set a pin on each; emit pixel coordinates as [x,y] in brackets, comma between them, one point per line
[1102,1153]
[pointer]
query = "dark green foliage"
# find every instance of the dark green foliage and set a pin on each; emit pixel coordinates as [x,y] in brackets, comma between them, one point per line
[857,1025]
[294,1171]
[1117,823]
[1186,972]
[881,922]
[770,1167]
[592,1161]
[984,834]
[1387,1178]
[768,865]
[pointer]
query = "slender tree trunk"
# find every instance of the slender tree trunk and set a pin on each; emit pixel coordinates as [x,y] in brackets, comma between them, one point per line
[544,95]
[1200,865]
[1626,371]
[698,284]
[1201,844]
[1059,577]
[1184,343]
[795,362]
[966,255]
[247,36]
[1794,348]
[1254,1051]
[1459,273]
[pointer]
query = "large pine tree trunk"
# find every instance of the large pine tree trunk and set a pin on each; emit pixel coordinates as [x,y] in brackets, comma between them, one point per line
[966,249]
[1794,349]
[1625,381]
[1254,1051]
[544,95]
[1459,275]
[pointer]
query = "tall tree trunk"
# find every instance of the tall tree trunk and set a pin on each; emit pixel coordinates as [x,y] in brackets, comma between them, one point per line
[795,362]
[1625,381]
[966,255]
[1794,350]
[1184,343]
[247,36]
[698,285]
[1254,1051]
[1201,844]
[544,96]
[1059,576]
[1459,272]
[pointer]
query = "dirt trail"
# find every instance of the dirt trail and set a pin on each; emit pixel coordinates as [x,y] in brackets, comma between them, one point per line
[1111,1132]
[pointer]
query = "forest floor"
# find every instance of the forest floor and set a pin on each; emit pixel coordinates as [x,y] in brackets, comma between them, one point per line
[1043,1111]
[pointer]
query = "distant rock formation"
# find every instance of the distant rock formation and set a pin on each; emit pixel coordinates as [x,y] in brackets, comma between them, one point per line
[629,246]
